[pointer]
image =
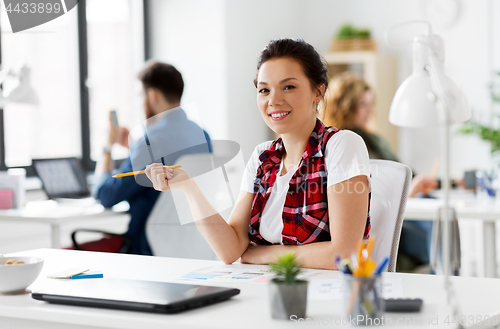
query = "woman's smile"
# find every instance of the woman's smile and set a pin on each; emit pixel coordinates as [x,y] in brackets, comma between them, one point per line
[278,115]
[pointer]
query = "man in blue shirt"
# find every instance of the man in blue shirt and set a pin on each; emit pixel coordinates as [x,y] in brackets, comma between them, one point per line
[167,135]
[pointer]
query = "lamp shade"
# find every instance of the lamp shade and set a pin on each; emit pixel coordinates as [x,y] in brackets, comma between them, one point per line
[416,102]
[415,105]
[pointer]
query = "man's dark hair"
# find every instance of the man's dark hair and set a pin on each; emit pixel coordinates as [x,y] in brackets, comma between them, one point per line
[163,77]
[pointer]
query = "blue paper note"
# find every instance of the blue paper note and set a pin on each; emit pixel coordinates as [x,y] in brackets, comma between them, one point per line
[200,276]
[88,275]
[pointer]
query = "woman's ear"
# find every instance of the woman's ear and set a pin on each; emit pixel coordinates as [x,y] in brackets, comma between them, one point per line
[320,92]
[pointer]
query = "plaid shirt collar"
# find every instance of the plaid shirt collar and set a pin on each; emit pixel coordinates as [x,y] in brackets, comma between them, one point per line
[314,147]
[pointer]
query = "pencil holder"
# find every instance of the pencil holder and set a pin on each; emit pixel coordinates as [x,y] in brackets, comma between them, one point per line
[362,302]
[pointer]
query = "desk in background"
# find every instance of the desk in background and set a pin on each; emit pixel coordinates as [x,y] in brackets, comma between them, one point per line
[57,214]
[249,309]
[466,209]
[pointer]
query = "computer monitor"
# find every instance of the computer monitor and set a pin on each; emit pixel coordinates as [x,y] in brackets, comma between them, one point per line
[62,178]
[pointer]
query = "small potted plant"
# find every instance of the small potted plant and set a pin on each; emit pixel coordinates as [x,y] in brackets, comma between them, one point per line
[288,295]
[350,38]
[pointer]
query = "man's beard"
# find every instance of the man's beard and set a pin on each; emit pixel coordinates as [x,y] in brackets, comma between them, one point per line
[148,111]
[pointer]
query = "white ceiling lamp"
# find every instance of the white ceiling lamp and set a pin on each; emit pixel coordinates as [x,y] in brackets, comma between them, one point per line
[416,103]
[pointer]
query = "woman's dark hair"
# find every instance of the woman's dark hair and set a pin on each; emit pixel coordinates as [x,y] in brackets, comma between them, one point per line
[313,65]
[163,77]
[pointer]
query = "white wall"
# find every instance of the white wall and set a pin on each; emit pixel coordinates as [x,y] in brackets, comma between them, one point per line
[250,25]
[216,43]
[495,26]
[190,35]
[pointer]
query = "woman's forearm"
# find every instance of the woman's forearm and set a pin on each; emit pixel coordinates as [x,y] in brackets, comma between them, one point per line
[221,236]
[318,255]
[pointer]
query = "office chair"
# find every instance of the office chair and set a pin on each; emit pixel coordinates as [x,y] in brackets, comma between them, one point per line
[390,184]
[110,242]
[170,228]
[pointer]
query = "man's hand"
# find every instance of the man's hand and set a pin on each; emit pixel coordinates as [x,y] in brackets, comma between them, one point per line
[117,134]
[421,184]
[122,138]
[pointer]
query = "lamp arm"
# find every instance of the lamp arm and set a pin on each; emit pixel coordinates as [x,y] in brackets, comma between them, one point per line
[437,78]
[438,83]
[387,34]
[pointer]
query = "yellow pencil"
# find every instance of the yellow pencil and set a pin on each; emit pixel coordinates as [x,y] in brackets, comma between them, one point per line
[434,170]
[141,172]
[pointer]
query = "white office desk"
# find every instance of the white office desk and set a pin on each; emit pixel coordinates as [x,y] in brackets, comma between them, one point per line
[466,209]
[249,309]
[56,214]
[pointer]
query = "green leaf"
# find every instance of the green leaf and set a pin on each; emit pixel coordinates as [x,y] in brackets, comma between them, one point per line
[287,268]
[486,133]
[348,31]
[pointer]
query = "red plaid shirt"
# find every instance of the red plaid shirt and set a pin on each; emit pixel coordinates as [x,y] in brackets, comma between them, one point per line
[305,213]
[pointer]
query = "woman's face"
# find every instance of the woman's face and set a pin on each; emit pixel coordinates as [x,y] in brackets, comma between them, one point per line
[285,97]
[364,110]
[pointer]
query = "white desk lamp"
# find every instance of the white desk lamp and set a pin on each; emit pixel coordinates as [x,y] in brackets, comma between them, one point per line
[18,87]
[429,98]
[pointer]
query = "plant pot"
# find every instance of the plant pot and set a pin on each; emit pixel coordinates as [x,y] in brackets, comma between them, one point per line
[353,44]
[288,299]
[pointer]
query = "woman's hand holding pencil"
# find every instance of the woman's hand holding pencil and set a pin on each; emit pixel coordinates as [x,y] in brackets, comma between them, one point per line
[142,171]
[165,178]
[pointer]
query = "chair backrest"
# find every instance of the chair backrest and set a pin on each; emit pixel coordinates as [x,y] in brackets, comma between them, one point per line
[170,229]
[390,183]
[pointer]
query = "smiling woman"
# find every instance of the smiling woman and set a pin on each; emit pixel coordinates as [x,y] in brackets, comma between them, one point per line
[307,191]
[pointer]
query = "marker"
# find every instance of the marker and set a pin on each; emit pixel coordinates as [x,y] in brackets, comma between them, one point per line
[381,266]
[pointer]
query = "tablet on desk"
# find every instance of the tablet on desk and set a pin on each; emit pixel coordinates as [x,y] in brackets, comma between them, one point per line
[62,178]
[133,295]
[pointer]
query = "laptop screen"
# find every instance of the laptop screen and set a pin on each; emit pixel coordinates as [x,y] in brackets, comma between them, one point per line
[62,178]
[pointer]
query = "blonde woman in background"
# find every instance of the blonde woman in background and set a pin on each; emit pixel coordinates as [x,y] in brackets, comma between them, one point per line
[349,104]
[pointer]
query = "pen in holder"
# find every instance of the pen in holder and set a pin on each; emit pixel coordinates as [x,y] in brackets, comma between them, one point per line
[362,301]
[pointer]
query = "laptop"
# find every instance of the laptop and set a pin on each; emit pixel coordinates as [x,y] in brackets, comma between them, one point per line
[133,295]
[62,178]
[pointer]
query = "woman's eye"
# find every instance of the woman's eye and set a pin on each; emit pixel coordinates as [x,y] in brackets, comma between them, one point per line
[263,91]
[289,87]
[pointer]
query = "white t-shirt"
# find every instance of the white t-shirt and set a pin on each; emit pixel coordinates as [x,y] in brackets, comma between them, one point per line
[345,156]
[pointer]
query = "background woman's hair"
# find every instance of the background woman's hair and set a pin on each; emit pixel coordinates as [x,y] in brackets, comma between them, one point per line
[313,65]
[340,102]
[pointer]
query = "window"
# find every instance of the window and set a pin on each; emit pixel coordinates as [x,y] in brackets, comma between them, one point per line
[112,71]
[51,129]
[99,50]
